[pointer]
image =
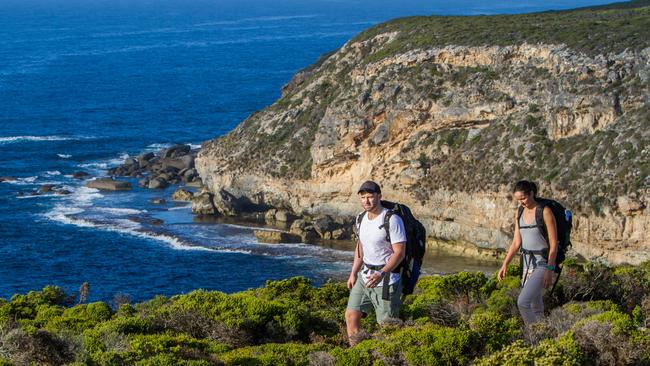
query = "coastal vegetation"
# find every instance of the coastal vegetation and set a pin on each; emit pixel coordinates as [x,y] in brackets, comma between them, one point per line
[597,315]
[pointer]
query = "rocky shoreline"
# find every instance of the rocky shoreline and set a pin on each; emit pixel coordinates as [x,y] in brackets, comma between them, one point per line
[175,165]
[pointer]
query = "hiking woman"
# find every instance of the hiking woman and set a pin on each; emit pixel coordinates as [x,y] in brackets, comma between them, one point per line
[538,255]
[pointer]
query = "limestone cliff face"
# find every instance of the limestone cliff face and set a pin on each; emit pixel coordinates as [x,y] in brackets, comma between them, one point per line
[447,129]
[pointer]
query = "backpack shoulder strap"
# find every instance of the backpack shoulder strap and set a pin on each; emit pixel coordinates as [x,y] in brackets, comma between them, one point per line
[520,211]
[386,224]
[357,231]
[539,218]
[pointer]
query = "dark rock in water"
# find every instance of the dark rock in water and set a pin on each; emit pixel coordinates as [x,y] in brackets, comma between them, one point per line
[143,182]
[108,184]
[130,161]
[146,220]
[35,193]
[324,224]
[275,237]
[182,195]
[180,163]
[196,182]
[175,151]
[46,188]
[309,236]
[158,183]
[62,192]
[229,205]
[8,179]
[145,158]
[284,216]
[158,201]
[189,173]
[202,204]
[80,175]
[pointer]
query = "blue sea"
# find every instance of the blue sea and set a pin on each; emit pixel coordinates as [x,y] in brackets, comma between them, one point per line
[87,84]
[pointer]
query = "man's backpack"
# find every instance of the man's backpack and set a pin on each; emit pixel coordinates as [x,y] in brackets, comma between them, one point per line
[416,237]
[563,223]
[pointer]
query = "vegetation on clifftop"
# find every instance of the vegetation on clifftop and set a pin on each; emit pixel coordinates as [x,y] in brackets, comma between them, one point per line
[597,315]
[595,30]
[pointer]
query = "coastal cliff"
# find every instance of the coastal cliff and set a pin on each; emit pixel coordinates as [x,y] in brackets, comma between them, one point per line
[447,112]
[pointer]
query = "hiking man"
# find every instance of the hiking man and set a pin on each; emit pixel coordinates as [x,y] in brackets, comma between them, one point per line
[372,282]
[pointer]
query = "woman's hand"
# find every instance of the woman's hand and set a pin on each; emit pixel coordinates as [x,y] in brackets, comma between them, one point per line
[502,273]
[548,278]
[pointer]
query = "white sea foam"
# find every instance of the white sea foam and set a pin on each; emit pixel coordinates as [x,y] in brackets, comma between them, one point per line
[120,211]
[33,196]
[84,196]
[188,207]
[64,156]
[22,181]
[195,146]
[52,173]
[65,214]
[159,146]
[4,140]
[256,19]
[105,164]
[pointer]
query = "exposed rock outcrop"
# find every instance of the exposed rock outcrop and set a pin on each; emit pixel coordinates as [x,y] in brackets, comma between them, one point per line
[447,128]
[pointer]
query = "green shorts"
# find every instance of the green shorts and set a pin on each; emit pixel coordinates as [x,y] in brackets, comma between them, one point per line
[363,299]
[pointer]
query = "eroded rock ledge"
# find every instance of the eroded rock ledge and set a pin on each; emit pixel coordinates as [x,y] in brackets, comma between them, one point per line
[447,130]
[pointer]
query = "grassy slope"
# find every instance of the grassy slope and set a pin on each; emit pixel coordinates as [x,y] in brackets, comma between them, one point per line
[597,315]
[596,30]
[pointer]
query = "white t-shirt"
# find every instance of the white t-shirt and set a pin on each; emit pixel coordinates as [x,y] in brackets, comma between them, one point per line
[376,249]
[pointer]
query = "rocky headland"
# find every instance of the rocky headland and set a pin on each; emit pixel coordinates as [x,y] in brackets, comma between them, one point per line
[446,113]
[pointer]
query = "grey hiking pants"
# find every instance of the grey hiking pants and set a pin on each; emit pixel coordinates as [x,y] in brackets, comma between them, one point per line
[530,301]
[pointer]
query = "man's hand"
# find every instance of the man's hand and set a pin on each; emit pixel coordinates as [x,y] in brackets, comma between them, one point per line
[374,279]
[352,280]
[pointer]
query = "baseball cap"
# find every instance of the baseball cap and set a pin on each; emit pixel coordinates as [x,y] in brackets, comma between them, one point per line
[369,186]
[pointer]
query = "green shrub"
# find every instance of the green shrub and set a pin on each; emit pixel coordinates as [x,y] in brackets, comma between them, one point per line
[602,341]
[80,317]
[562,352]
[25,306]
[503,300]
[366,353]
[433,345]
[493,331]
[272,354]
[144,346]
[170,360]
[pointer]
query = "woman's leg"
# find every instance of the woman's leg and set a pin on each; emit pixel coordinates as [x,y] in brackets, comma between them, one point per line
[530,301]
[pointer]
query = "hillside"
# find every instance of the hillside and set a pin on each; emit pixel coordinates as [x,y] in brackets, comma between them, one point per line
[597,316]
[447,112]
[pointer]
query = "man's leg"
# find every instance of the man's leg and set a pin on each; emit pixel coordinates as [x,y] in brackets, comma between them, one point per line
[358,303]
[387,309]
[353,323]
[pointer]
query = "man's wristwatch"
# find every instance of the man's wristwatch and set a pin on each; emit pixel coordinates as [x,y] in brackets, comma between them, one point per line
[382,274]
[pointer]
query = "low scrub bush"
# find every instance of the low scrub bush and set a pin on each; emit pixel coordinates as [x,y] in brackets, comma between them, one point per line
[272,354]
[492,331]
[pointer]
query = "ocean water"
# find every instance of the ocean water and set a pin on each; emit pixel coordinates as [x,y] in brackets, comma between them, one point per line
[86,84]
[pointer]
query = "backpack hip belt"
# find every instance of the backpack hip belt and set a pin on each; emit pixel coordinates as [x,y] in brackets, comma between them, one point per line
[385,291]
